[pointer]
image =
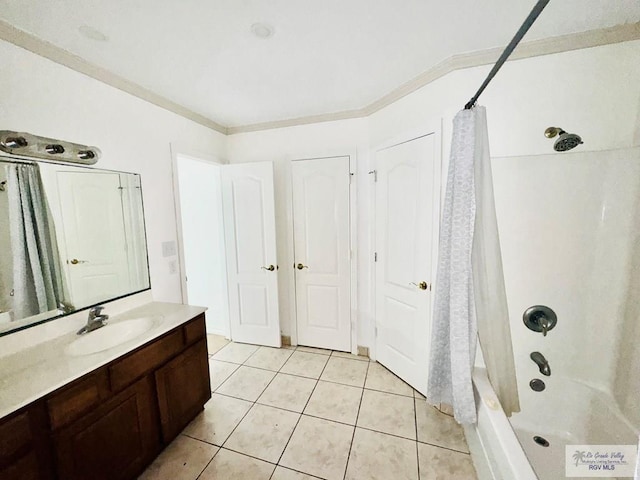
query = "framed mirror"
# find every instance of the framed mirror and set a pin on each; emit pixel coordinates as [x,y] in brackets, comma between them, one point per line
[71,237]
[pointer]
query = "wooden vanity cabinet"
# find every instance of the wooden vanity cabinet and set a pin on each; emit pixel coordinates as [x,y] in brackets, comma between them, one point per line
[25,451]
[115,441]
[183,386]
[111,423]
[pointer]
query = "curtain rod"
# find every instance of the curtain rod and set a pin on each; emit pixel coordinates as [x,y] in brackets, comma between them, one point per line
[533,16]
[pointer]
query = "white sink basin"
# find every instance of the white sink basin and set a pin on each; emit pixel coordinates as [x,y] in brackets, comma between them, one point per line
[109,336]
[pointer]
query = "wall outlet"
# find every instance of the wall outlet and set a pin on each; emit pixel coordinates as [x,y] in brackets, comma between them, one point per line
[173,267]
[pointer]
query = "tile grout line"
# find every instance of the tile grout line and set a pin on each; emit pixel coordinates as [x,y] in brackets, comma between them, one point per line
[317,380]
[338,421]
[227,377]
[253,403]
[353,435]
[208,463]
[445,448]
[305,406]
[313,378]
[332,420]
[275,465]
[415,418]
[248,366]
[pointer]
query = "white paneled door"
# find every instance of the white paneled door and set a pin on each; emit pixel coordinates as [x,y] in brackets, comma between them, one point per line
[406,211]
[250,238]
[94,233]
[322,252]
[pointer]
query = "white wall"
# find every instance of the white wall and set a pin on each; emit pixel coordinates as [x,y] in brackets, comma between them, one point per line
[203,240]
[594,92]
[346,137]
[45,98]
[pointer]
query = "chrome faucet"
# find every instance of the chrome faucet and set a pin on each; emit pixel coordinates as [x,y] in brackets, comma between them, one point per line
[542,363]
[96,320]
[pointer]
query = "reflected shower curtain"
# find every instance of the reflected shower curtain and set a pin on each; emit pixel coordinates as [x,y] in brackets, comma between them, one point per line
[37,276]
[470,298]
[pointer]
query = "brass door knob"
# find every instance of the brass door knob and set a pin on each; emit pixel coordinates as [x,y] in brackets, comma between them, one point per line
[301,266]
[75,261]
[422,285]
[271,268]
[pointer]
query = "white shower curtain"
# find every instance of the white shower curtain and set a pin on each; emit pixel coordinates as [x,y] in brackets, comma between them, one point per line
[37,276]
[470,294]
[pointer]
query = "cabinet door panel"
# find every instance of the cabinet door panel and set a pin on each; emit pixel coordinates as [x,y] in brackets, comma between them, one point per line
[15,435]
[25,450]
[183,388]
[115,441]
[25,468]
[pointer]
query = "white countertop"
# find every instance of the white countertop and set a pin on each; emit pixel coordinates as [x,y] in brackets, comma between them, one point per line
[31,373]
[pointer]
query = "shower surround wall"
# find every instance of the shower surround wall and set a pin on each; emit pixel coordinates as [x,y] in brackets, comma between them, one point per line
[627,382]
[567,231]
[569,227]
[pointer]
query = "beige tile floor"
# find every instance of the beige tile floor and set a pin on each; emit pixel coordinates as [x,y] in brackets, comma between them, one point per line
[306,413]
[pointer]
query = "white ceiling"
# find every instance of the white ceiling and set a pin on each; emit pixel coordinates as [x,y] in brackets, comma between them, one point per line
[326,56]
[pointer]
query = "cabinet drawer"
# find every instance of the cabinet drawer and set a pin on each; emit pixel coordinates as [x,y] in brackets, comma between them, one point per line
[72,402]
[194,330]
[15,435]
[148,358]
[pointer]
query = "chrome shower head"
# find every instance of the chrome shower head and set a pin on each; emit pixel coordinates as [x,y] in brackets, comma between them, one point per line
[566,141]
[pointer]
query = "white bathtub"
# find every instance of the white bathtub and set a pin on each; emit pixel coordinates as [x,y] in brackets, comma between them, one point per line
[503,449]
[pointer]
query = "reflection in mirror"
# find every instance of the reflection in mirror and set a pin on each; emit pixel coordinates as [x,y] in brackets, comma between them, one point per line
[71,237]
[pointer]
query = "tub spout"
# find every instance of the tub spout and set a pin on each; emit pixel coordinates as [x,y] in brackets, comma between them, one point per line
[542,363]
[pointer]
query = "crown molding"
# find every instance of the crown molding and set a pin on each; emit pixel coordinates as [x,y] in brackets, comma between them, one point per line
[535,48]
[50,51]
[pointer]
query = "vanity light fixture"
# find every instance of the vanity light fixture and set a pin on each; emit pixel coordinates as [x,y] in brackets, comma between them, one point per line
[35,147]
[54,149]
[86,154]
[15,142]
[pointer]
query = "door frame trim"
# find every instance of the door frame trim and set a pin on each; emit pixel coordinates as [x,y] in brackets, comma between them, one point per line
[432,127]
[353,236]
[198,156]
